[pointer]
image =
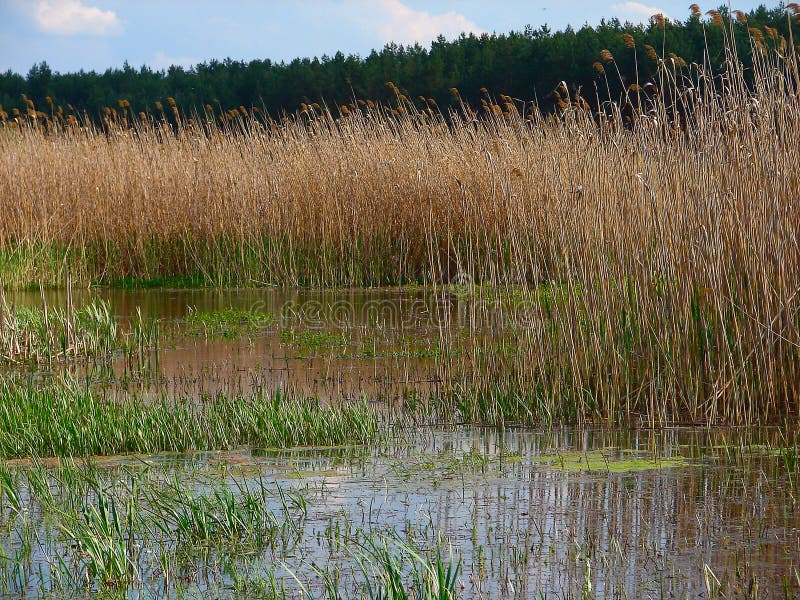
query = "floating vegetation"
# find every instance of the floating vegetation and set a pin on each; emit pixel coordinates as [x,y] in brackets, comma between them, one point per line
[229,323]
[459,514]
[608,461]
[308,340]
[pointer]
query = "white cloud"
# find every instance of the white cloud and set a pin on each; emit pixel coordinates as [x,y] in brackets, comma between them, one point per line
[636,11]
[162,61]
[393,21]
[70,17]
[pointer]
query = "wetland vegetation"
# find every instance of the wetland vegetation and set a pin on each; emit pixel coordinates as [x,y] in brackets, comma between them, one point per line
[388,350]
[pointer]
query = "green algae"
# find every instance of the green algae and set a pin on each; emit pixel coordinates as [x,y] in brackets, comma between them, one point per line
[607,461]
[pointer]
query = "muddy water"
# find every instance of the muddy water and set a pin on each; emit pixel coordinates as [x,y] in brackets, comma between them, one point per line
[614,514]
[333,344]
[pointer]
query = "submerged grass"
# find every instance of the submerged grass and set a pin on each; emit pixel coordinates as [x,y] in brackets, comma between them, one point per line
[109,531]
[160,527]
[114,532]
[67,420]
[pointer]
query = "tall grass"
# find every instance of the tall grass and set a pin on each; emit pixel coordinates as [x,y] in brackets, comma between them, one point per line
[671,217]
[29,335]
[66,420]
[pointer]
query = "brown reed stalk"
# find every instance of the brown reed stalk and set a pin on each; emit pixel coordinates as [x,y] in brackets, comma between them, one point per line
[659,256]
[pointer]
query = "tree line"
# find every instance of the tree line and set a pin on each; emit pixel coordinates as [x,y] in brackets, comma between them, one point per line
[527,65]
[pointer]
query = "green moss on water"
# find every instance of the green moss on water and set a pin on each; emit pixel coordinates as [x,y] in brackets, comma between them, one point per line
[607,461]
[229,323]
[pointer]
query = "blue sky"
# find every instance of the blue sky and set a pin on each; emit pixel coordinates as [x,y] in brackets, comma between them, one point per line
[97,34]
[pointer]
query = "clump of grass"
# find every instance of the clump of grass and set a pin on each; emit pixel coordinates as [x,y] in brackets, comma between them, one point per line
[222,515]
[45,335]
[67,420]
[307,340]
[395,570]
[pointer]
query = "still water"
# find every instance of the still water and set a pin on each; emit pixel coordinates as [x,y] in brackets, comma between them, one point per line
[562,513]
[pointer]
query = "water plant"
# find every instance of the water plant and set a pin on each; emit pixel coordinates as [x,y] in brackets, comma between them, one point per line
[70,420]
[229,323]
[48,334]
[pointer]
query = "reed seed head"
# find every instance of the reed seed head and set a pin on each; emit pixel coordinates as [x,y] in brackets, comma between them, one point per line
[716,18]
[628,40]
[772,33]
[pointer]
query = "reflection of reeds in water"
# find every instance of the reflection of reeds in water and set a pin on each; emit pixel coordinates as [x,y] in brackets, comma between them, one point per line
[668,223]
[138,524]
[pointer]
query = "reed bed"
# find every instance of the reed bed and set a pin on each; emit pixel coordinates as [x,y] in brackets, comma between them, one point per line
[670,220]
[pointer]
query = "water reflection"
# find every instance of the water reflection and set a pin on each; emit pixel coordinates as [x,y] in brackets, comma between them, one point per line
[387,345]
[697,507]
[569,513]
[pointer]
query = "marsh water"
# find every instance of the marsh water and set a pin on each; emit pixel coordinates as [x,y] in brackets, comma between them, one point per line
[334,344]
[556,513]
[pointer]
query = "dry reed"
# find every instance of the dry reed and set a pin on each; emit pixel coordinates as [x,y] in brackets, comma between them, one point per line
[672,229]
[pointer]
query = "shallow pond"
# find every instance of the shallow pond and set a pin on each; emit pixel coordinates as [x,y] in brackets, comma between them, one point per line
[676,513]
[337,344]
[563,513]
